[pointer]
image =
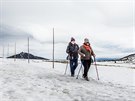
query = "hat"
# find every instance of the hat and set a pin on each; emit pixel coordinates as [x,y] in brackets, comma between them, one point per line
[72,39]
[86,40]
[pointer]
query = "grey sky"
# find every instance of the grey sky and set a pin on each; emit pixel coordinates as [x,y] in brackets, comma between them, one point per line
[109,24]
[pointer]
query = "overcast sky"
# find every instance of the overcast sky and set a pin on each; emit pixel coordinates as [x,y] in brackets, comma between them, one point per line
[109,25]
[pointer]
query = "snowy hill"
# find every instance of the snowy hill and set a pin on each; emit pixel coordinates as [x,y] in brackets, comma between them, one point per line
[128,59]
[24,55]
[38,81]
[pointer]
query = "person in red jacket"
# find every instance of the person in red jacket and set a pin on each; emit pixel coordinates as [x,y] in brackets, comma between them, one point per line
[86,54]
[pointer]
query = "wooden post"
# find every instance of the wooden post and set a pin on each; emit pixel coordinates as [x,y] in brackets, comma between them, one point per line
[53,49]
[28,51]
[3,51]
[15,52]
[8,51]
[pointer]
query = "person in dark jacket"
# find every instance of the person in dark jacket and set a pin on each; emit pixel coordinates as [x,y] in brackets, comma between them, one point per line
[72,50]
[86,52]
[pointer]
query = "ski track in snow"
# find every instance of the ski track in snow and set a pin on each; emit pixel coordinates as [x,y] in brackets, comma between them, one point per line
[20,81]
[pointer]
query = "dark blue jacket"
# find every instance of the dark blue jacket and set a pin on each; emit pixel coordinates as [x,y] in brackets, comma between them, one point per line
[72,50]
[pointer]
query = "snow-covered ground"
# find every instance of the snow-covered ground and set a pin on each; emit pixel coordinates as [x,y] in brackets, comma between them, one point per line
[117,64]
[37,81]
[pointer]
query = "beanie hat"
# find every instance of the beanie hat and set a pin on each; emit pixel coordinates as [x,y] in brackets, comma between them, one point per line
[86,40]
[72,39]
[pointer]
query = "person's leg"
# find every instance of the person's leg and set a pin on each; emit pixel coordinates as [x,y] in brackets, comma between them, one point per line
[86,68]
[75,63]
[84,63]
[89,64]
[71,67]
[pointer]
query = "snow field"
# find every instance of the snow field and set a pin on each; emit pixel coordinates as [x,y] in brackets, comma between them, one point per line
[37,81]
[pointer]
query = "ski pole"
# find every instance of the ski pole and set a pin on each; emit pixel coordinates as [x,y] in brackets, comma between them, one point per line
[79,71]
[66,68]
[96,68]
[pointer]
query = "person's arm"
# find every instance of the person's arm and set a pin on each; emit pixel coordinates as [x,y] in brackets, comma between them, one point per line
[79,51]
[67,50]
[92,53]
[77,47]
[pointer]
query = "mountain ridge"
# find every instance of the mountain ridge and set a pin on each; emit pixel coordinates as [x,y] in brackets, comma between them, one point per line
[24,55]
[128,59]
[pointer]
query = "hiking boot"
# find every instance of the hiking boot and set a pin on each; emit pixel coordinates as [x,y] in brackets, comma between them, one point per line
[83,76]
[72,75]
[87,79]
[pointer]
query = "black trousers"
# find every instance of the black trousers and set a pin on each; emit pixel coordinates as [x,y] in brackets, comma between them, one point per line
[86,64]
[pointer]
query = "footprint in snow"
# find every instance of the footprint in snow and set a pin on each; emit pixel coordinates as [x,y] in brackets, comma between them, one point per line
[66,91]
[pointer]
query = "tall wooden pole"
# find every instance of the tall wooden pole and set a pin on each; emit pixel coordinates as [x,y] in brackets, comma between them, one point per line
[15,53]
[53,49]
[8,51]
[28,51]
[3,51]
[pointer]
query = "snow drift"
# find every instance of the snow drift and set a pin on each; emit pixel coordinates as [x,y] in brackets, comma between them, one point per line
[37,81]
